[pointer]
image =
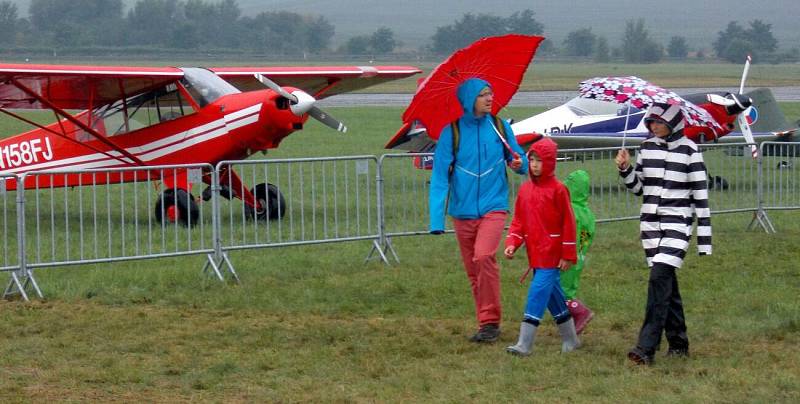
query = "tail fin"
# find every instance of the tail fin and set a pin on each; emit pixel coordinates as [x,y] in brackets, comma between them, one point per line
[769,116]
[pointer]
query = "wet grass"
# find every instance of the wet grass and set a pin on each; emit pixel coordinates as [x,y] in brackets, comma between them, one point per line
[315,323]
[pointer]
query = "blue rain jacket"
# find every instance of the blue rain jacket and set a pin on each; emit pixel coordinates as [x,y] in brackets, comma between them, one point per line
[478,184]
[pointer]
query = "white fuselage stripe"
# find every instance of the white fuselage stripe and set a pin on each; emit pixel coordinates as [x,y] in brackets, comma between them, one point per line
[158,148]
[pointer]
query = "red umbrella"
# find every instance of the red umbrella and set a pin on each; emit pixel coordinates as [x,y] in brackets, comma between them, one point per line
[500,60]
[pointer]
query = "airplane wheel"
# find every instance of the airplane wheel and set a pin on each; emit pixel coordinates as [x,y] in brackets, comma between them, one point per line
[718,183]
[267,195]
[177,205]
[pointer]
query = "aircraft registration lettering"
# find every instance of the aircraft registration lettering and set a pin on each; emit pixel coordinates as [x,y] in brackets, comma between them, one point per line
[25,152]
[556,129]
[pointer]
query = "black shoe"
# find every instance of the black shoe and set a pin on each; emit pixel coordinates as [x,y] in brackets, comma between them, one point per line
[487,333]
[678,352]
[640,357]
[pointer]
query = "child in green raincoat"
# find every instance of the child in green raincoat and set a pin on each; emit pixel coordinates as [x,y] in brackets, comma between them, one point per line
[578,184]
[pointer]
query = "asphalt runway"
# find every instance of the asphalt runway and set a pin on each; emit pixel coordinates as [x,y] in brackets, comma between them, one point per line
[527,98]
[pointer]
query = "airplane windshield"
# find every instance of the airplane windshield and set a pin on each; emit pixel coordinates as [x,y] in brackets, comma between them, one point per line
[205,86]
[589,106]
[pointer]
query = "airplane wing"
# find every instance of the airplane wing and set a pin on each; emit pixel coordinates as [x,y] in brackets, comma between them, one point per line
[319,81]
[24,86]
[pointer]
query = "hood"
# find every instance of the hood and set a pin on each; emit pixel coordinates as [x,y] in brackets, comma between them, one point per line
[669,114]
[578,184]
[546,149]
[468,92]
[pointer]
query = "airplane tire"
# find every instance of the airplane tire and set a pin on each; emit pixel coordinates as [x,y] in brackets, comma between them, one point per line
[718,183]
[268,195]
[186,210]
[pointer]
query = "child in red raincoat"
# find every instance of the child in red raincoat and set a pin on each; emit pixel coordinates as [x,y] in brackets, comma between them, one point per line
[544,222]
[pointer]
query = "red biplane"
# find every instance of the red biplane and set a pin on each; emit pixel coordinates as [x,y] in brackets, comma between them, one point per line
[148,116]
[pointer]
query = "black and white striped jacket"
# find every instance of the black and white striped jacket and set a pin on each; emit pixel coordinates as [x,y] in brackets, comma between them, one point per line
[670,175]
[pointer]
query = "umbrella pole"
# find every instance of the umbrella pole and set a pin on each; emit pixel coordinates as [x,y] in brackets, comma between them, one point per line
[625,130]
[505,143]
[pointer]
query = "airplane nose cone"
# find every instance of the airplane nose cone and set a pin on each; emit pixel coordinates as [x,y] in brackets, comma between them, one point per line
[304,103]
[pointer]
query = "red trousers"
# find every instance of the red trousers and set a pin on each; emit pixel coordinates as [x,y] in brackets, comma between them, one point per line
[478,240]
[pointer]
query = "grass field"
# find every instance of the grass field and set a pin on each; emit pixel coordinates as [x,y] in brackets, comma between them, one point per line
[315,324]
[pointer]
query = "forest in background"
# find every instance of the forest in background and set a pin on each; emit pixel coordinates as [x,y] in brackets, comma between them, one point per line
[322,28]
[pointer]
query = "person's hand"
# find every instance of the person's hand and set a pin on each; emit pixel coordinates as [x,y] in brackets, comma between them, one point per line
[622,159]
[509,252]
[516,163]
[564,264]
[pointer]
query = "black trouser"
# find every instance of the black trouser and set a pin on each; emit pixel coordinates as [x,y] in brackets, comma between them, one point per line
[664,311]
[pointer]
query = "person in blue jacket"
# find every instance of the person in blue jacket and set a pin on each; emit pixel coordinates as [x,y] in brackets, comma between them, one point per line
[470,183]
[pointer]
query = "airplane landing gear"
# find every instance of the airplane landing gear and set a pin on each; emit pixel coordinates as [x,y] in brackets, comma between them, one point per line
[271,198]
[176,205]
[718,183]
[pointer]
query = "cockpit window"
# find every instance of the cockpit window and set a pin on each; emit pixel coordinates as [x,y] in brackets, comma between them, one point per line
[140,111]
[205,86]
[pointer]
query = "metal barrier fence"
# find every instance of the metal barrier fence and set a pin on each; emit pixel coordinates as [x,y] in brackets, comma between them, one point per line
[309,201]
[780,178]
[119,214]
[8,226]
[71,217]
[733,181]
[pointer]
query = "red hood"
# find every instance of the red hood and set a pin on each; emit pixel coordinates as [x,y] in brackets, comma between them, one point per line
[546,149]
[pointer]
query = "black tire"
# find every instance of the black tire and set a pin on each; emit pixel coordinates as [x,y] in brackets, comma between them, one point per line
[717,183]
[187,210]
[267,195]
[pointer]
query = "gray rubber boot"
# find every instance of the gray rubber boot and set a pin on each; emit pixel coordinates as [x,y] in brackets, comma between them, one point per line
[524,347]
[569,338]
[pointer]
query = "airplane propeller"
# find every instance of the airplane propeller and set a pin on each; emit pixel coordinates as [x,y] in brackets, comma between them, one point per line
[743,124]
[303,103]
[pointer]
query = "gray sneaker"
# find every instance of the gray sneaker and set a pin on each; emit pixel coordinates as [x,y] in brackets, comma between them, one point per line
[487,333]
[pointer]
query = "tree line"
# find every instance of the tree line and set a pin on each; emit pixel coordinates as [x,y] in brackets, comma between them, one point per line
[220,25]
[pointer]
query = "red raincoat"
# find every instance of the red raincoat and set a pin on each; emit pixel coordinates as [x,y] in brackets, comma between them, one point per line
[543,217]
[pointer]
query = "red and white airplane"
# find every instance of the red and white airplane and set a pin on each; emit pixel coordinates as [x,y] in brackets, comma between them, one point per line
[149,116]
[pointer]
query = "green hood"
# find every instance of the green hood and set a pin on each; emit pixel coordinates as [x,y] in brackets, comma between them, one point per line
[578,184]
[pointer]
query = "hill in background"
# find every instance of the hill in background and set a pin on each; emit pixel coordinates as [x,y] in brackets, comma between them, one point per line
[415,21]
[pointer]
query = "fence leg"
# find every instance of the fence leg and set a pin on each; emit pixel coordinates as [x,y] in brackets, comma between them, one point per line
[760,217]
[215,265]
[387,247]
[20,281]
[381,252]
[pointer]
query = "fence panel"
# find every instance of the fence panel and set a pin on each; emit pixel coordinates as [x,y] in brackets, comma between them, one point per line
[732,177]
[106,215]
[780,177]
[8,225]
[310,200]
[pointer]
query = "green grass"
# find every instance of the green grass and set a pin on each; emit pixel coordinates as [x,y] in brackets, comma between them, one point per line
[546,76]
[313,323]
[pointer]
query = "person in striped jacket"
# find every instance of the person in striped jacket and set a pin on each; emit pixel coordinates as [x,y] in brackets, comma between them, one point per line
[670,175]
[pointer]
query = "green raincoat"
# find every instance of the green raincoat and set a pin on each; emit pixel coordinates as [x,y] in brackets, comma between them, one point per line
[578,184]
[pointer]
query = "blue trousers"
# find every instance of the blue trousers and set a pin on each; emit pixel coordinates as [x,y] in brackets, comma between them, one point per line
[545,292]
